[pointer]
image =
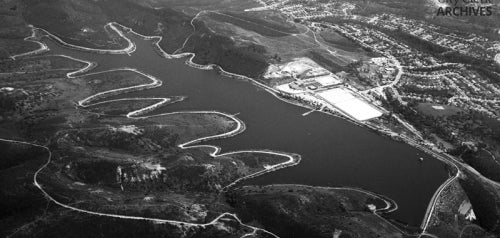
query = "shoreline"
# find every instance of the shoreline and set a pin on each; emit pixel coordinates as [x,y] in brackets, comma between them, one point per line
[391,205]
[32,38]
[87,102]
[189,62]
[154,220]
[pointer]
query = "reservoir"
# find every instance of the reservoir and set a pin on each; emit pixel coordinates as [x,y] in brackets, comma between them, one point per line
[334,151]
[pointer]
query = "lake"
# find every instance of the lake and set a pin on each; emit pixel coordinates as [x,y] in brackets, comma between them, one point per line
[334,151]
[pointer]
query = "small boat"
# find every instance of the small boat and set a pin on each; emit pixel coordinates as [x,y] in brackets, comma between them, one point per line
[421,159]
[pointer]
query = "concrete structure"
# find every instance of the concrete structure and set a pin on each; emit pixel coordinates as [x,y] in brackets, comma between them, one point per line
[345,101]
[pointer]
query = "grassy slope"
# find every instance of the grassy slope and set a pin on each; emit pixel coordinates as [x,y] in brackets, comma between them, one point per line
[20,201]
[220,50]
[485,202]
[67,18]
[295,211]
[13,29]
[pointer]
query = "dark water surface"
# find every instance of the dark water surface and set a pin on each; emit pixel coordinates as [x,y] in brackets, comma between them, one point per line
[334,151]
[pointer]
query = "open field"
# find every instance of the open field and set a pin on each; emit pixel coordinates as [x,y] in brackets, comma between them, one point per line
[437,110]
[196,5]
[254,23]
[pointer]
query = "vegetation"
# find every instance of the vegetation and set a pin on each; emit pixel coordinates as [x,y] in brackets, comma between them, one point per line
[325,62]
[173,26]
[485,67]
[253,23]
[480,159]
[424,10]
[210,48]
[300,211]
[134,167]
[20,200]
[456,128]
[484,199]
[61,18]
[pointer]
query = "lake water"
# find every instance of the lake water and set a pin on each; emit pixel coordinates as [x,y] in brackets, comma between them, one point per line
[334,151]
